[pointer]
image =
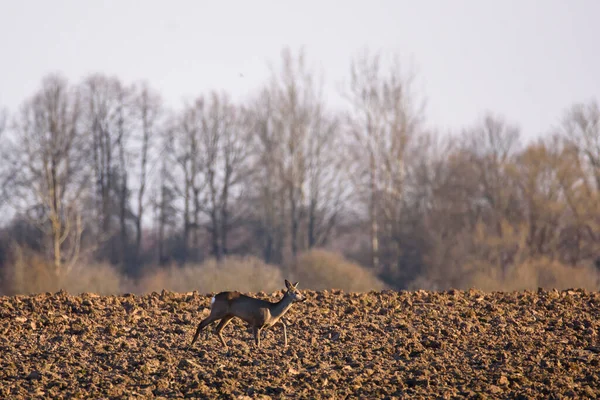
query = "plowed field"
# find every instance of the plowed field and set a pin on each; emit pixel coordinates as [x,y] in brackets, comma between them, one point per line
[390,344]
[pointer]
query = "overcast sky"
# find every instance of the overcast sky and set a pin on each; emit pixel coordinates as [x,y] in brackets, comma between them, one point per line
[527,60]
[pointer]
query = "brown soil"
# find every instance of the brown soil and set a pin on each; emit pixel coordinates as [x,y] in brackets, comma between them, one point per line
[386,344]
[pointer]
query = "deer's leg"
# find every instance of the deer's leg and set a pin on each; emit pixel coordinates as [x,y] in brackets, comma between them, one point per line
[284,332]
[204,323]
[256,330]
[222,326]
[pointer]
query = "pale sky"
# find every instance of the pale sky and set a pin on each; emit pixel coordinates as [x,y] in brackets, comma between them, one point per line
[527,60]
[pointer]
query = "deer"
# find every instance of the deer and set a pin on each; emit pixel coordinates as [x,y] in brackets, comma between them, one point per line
[259,314]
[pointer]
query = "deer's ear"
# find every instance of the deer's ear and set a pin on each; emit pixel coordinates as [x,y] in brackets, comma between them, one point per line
[296,284]
[288,284]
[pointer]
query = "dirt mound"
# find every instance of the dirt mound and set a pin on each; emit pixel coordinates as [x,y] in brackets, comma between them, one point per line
[398,344]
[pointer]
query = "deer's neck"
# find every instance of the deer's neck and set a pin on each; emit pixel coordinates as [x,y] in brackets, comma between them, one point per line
[281,307]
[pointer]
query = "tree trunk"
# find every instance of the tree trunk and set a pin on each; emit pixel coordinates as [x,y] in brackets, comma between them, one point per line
[55,218]
[186,214]
[123,192]
[216,248]
[225,211]
[56,242]
[162,219]
[140,199]
[294,223]
[123,219]
[196,225]
[373,217]
[224,229]
[312,224]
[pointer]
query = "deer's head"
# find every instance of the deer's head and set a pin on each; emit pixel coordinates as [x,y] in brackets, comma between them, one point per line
[293,292]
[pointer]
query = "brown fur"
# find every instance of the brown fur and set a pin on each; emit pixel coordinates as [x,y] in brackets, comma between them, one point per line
[230,297]
[259,314]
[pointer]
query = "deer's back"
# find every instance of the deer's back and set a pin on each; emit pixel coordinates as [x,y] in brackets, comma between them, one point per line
[228,297]
[250,309]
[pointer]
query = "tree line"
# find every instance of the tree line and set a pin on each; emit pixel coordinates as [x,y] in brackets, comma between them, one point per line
[104,170]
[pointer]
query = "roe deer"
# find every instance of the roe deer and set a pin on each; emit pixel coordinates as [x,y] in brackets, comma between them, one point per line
[258,313]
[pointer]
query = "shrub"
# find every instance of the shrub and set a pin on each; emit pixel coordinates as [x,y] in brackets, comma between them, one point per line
[103,279]
[536,273]
[29,273]
[321,269]
[245,274]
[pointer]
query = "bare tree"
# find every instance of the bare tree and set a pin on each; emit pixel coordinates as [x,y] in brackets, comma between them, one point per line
[491,145]
[537,173]
[53,174]
[148,111]
[384,117]
[210,147]
[224,145]
[325,181]
[581,129]
[5,170]
[267,188]
[473,197]
[165,209]
[108,123]
[426,231]
[187,151]
[294,94]
[294,147]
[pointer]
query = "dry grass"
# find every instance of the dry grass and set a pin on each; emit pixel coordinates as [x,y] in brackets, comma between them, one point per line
[245,274]
[317,269]
[32,273]
[102,279]
[320,269]
[534,274]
